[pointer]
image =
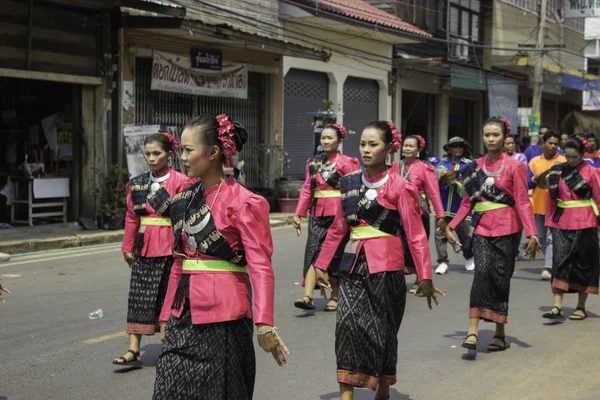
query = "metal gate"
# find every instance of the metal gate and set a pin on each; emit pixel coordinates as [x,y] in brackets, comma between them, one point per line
[174,109]
[361,107]
[304,93]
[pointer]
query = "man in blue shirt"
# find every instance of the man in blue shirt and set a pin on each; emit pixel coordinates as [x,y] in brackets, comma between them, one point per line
[537,149]
[451,191]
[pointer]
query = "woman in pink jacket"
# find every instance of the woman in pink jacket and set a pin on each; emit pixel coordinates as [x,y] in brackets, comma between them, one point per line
[222,241]
[320,193]
[148,239]
[572,216]
[496,191]
[376,206]
[424,177]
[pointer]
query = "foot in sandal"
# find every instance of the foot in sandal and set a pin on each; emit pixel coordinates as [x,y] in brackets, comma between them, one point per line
[305,303]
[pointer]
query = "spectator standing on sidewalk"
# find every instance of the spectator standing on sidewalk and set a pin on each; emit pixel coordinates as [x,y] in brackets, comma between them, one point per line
[509,148]
[451,191]
[537,178]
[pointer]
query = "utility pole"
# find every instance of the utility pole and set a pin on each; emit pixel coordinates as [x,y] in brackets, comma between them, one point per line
[538,75]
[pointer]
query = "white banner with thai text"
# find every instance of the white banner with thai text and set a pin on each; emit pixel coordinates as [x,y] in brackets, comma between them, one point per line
[581,8]
[173,73]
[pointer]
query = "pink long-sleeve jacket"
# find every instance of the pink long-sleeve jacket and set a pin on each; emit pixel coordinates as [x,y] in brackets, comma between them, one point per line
[386,253]
[158,240]
[423,176]
[325,207]
[575,218]
[242,218]
[503,221]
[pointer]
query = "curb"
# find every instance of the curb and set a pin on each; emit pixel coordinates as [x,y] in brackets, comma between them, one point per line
[34,245]
[84,239]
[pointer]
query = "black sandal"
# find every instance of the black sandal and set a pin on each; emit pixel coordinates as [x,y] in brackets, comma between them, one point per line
[329,308]
[492,347]
[135,361]
[470,346]
[305,305]
[552,315]
[578,317]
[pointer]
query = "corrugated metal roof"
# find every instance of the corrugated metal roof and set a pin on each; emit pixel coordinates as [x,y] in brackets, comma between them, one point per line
[363,11]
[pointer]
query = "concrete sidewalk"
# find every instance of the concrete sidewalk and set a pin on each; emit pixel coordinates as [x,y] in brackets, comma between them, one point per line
[43,237]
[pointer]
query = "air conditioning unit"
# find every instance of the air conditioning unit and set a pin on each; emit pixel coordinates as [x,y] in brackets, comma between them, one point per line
[460,49]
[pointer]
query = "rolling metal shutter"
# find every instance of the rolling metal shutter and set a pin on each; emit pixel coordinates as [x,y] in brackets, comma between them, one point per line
[304,93]
[175,109]
[361,107]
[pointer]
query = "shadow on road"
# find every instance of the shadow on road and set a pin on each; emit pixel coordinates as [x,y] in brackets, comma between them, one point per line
[150,354]
[364,394]
[3,397]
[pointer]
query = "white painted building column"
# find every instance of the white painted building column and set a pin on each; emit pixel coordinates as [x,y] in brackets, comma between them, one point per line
[443,113]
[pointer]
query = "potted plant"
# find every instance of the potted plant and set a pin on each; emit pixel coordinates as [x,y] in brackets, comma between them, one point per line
[288,191]
[113,195]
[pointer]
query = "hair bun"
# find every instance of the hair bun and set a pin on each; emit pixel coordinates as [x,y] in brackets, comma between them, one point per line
[241,136]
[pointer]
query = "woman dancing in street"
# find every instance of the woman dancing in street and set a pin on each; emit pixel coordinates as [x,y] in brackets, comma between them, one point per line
[148,239]
[376,205]
[222,240]
[320,193]
[496,191]
[572,216]
[424,177]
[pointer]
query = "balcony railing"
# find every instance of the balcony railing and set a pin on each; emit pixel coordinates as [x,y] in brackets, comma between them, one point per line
[577,24]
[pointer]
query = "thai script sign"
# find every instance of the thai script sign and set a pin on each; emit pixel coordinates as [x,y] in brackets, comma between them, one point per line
[172,73]
[207,59]
[581,8]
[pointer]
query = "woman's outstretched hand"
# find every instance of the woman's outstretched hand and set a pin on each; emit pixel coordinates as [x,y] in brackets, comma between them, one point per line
[429,290]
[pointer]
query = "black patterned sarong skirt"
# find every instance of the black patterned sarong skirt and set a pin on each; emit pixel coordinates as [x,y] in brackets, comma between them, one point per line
[207,361]
[317,233]
[370,311]
[575,261]
[147,290]
[494,267]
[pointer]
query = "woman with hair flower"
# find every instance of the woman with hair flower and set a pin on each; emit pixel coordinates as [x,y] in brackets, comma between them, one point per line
[572,216]
[222,242]
[496,191]
[321,195]
[147,240]
[376,206]
[414,169]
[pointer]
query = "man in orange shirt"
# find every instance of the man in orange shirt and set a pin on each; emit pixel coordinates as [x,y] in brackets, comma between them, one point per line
[537,166]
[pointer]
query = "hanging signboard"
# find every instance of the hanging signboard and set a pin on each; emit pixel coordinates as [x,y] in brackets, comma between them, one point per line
[207,59]
[172,73]
[581,8]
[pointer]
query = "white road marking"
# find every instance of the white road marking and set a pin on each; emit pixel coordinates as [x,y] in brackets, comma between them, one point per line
[45,258]
[10,276]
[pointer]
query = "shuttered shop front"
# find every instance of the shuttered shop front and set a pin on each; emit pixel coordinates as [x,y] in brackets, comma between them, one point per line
[361,107]
[156,107]
[304,94]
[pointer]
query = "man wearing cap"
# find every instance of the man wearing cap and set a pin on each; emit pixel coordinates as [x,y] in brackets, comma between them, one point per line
[451,191]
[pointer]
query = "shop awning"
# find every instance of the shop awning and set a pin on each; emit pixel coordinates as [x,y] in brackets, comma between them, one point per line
[569,78]
[467,78]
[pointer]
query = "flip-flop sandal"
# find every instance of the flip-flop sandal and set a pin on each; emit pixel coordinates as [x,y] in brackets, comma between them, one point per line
[578,317]
[552,315]
[470,346]
[493,347]
[305,305]
[329,308]
[134,362]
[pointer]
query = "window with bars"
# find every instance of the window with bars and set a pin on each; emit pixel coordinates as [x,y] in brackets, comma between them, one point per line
[464,19]
[425,14]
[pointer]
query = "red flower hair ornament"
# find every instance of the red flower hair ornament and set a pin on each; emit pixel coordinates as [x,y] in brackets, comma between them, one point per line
[226,133]
[584,141]
[342,130]
[422,143]
[396,138]
[172,140]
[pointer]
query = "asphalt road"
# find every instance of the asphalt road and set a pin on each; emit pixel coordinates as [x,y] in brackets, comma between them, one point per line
[49,349]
